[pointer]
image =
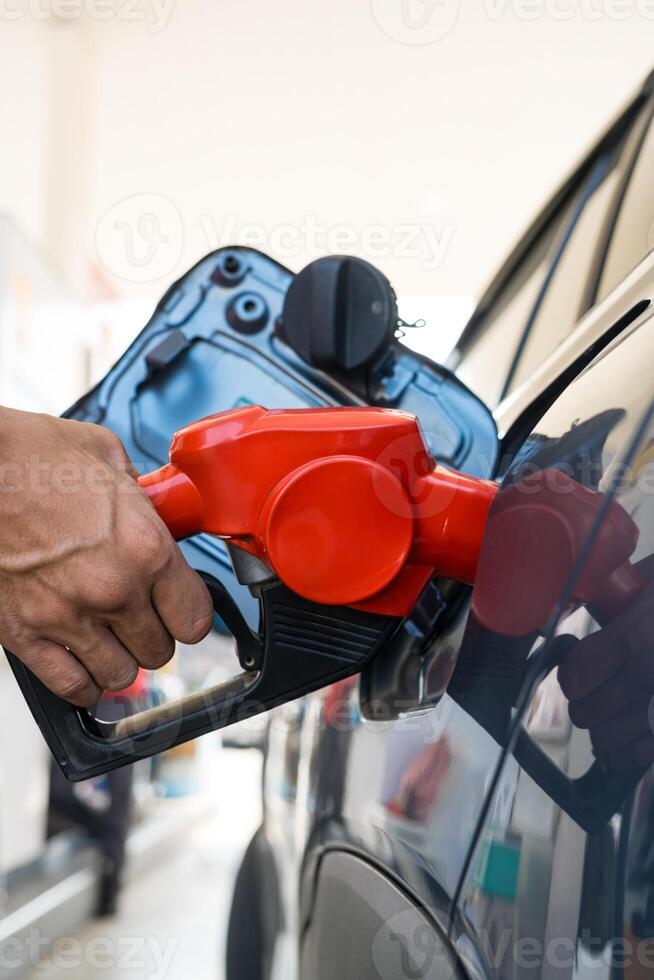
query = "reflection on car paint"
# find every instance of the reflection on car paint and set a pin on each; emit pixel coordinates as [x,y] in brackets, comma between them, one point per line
[541,897]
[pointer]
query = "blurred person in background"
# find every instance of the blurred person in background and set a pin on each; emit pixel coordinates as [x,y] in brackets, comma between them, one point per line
[102,806]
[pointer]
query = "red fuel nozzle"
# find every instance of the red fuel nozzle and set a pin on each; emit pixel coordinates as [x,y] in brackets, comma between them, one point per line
[347,507]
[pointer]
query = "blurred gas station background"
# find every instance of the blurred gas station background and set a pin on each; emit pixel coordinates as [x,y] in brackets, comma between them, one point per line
[138,136]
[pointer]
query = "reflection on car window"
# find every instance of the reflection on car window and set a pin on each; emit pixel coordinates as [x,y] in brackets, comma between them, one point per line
[547,897]
[527,327]
[633,236]
[489,360]
[561,880]
[562,305]
[520,325]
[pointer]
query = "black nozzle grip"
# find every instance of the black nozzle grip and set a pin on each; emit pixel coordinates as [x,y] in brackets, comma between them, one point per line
[591,799]
[301,647]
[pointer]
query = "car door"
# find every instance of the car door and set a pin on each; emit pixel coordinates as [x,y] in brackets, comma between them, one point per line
[559,878]
[479,834]
[499,853]
[406,789]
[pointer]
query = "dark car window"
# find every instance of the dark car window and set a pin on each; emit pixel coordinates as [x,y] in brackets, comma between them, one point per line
[521,321]
[561,305]
[633,236]
[561,878]
[487,362]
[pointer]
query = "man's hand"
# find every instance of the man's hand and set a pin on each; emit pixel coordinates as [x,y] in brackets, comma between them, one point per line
[91,583]
[608,679]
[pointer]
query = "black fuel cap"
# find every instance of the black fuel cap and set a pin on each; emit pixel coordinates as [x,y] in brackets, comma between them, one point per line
[339,313]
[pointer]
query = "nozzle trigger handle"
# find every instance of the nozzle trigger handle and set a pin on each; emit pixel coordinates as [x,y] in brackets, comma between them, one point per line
[300,647]
[593,798]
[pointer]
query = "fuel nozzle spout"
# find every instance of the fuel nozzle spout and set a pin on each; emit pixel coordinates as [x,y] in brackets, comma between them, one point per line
[451,511]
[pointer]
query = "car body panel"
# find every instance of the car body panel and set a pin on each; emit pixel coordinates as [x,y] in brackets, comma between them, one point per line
[430,800]
[408,792]
[572,895]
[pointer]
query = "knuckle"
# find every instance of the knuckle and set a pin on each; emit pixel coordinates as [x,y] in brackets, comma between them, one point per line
[109,440]
[36,615]
[150,544]
[196,629]
[112,449]
[95,437]
[76,688]
[112,592]
[55,616]
[160,655]
[122,679]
